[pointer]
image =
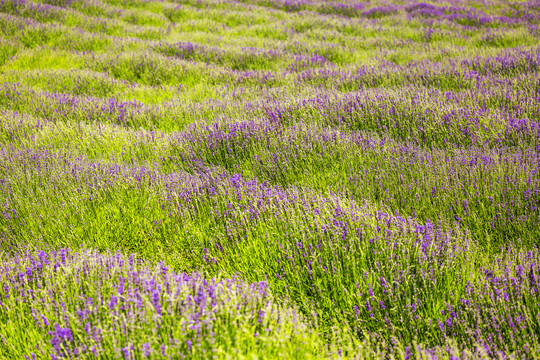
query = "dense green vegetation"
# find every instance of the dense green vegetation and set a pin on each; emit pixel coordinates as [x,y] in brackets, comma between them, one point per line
[269,179]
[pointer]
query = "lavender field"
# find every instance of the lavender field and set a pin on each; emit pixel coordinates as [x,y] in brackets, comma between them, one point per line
[269,179]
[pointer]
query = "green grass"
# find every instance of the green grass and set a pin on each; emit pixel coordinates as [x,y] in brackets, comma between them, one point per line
[378,170]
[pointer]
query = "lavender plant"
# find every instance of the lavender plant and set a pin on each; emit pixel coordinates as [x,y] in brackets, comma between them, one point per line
[65,304]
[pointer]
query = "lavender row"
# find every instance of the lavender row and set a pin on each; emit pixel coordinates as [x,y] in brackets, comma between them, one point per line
[377,272]
[79,304]
[492,191]
[493,114]
[315,54]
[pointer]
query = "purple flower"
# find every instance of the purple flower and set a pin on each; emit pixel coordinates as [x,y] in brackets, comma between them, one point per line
[146,349]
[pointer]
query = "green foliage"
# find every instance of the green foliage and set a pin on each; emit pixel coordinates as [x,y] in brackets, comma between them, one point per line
[375,163]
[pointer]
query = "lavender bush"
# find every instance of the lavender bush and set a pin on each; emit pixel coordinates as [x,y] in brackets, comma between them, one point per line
[65,304]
